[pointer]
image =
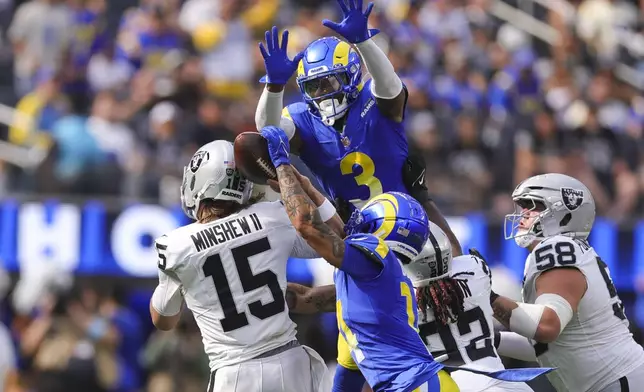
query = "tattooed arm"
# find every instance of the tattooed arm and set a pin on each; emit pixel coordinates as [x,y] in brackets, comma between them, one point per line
[306,300]
[304,216]
[335,222]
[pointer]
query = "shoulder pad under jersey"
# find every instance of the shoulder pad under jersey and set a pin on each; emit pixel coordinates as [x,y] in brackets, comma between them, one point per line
[370,245]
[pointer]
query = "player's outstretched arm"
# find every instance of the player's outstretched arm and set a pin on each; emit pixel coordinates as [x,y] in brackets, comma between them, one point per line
[559,291]
[513,345]
[386,86]
[306,219]
[327,211]
[308,300]
[279,69]
[413,176]
[435,215]
[301,210]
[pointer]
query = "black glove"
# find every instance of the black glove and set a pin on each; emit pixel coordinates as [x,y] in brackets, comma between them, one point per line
[343,208]
[413,175]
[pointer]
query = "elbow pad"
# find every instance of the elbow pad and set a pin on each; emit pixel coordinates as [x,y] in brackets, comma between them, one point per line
[525,319]
[559,305]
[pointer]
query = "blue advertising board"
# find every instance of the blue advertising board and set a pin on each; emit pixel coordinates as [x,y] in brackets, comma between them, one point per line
[91,239]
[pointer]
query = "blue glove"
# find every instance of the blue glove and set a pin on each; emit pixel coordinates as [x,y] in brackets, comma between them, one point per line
[278,147]
[354,23]
[279,68]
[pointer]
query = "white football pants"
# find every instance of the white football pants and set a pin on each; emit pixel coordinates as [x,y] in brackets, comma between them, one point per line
[298,369]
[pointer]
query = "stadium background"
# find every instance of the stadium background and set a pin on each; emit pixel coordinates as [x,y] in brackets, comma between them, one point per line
[103,101]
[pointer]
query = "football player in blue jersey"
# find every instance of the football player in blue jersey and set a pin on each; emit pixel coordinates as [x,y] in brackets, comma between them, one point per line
[376,306]
[349,130]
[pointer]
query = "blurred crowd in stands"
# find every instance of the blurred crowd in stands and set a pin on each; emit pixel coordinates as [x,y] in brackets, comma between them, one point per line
[112,97]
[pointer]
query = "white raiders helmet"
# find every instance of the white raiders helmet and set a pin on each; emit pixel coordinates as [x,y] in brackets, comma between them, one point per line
[565,207]
[212,174]
[434,260]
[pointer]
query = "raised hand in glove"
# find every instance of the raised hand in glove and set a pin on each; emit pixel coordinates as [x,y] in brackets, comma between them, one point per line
[278,147]
[353,26]
[279,68]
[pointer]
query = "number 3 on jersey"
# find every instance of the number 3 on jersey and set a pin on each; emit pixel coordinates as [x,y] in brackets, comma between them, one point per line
[366,178]
[214,268]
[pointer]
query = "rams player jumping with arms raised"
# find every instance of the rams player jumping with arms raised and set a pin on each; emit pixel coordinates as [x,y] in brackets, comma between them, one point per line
[377,311]
[349,132]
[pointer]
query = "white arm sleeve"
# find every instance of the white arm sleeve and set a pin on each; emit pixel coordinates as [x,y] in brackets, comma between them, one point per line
[385,82]
[269,112]
[167,298]
[302,250]
[513,345]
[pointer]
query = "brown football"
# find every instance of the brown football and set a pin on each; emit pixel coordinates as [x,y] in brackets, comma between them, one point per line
[252,158]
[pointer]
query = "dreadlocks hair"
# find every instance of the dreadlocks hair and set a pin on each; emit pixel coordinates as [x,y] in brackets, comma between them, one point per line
[445,298]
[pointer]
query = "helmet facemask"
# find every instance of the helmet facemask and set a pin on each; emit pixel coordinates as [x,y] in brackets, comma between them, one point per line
[525,225]
[187,201]
[329,93]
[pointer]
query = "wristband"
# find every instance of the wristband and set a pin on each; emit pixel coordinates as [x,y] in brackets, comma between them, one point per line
[326,210]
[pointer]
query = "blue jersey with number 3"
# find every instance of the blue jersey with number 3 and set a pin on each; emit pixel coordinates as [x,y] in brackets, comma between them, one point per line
[364,163]
[378,317]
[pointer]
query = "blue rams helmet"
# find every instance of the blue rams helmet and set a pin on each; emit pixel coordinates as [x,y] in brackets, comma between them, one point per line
[398,219]
[329,76]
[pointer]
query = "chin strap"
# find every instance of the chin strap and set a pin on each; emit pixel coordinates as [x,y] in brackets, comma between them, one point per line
[329,121]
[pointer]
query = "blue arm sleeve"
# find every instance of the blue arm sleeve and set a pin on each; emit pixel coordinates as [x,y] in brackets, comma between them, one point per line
[358,264]
[346,380]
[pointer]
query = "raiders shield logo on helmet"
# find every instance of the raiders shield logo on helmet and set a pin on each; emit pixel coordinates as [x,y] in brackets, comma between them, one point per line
[198,159]
[572,198]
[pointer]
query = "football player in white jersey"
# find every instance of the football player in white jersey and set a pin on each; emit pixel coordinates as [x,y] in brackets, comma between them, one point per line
[454,297]
[570,304]
[230,269]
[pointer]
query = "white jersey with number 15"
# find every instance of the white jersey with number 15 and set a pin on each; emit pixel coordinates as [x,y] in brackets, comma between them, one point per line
[232,273]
